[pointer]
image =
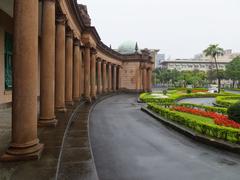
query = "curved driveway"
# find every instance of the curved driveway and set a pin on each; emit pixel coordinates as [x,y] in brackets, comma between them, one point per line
[130,145]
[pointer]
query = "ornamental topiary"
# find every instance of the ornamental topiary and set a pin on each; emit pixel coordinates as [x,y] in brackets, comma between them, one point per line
[234,112]
[164,92]
[189,91]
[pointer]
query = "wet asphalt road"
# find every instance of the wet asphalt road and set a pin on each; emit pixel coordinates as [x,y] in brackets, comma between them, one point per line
[130,145]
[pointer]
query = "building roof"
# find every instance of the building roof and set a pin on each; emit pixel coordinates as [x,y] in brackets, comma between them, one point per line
[128,47]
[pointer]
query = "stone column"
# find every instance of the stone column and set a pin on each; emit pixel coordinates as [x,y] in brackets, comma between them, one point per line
[114,78]
[99,80]
[87,73]
[93,73]
[24,143]
[109,77]
[60,64]
[104,82]
[119,77]
[47,66]
[80,73]
[141,79]
[69,68]
[149,79]
[144,79]
[76,71]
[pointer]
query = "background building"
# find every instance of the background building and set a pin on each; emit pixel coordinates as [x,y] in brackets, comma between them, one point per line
[199,62]
[160,58]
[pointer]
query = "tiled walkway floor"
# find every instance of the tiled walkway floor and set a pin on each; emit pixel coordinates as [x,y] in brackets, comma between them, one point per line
[5,128]
[76,161]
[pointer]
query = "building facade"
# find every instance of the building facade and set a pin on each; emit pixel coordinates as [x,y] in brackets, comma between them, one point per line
[159,59]
[199,62]
[51,53]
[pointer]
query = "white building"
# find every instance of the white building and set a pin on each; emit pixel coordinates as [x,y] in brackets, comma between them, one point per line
[199,62]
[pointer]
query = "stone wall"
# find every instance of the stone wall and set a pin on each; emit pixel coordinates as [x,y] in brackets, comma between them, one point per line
[130,76]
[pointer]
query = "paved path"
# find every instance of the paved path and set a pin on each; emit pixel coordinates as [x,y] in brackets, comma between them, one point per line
[234,92]
[130,145]
[203,101]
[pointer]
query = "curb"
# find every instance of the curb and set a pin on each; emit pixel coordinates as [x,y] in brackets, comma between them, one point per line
[220,144]
[218,105]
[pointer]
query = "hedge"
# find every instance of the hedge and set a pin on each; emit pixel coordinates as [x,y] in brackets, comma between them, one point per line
[220,132]
[183,89]
[227,101]
[147,97]
[206,108]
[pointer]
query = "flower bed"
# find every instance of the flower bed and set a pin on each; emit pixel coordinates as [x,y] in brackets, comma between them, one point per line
[199,90]
[206,108]
[219,119]
[174,95]
[148,97]
[213,130]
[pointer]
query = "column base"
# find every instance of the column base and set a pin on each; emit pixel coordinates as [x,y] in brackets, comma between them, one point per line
[69,103]
[93,98]
[47,122]
[88,99]
[77,99]
[61,109]
[23,154]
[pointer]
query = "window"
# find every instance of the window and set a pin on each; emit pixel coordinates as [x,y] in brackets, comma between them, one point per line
[8,61]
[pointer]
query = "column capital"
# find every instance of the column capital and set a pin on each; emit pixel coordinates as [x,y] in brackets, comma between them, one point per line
[86,45]
[99,60]
[119,66]
[104,62]
[76,42]
[61,19]
[69,32]
[50,0]
[93,51]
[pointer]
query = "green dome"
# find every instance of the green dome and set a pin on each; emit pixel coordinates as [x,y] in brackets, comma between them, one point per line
[128,47]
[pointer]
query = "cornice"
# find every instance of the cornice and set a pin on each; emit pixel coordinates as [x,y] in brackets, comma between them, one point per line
[99,44]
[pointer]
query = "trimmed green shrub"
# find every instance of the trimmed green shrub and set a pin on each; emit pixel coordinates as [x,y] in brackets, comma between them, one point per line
[212,130]
[164,92]
[189,91]
[234,112]
[227,101]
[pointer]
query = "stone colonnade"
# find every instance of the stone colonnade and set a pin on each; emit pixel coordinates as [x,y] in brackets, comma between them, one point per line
[60,74]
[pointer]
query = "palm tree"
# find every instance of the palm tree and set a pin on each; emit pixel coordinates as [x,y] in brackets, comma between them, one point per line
[214,51]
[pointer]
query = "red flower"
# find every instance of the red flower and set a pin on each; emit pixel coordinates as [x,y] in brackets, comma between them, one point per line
[219,119]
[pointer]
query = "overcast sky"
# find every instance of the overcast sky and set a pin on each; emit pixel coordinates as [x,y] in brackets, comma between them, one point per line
[179,28]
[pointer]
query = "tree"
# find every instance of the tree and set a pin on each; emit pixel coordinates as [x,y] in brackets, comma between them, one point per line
[214,51]
[233,70]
